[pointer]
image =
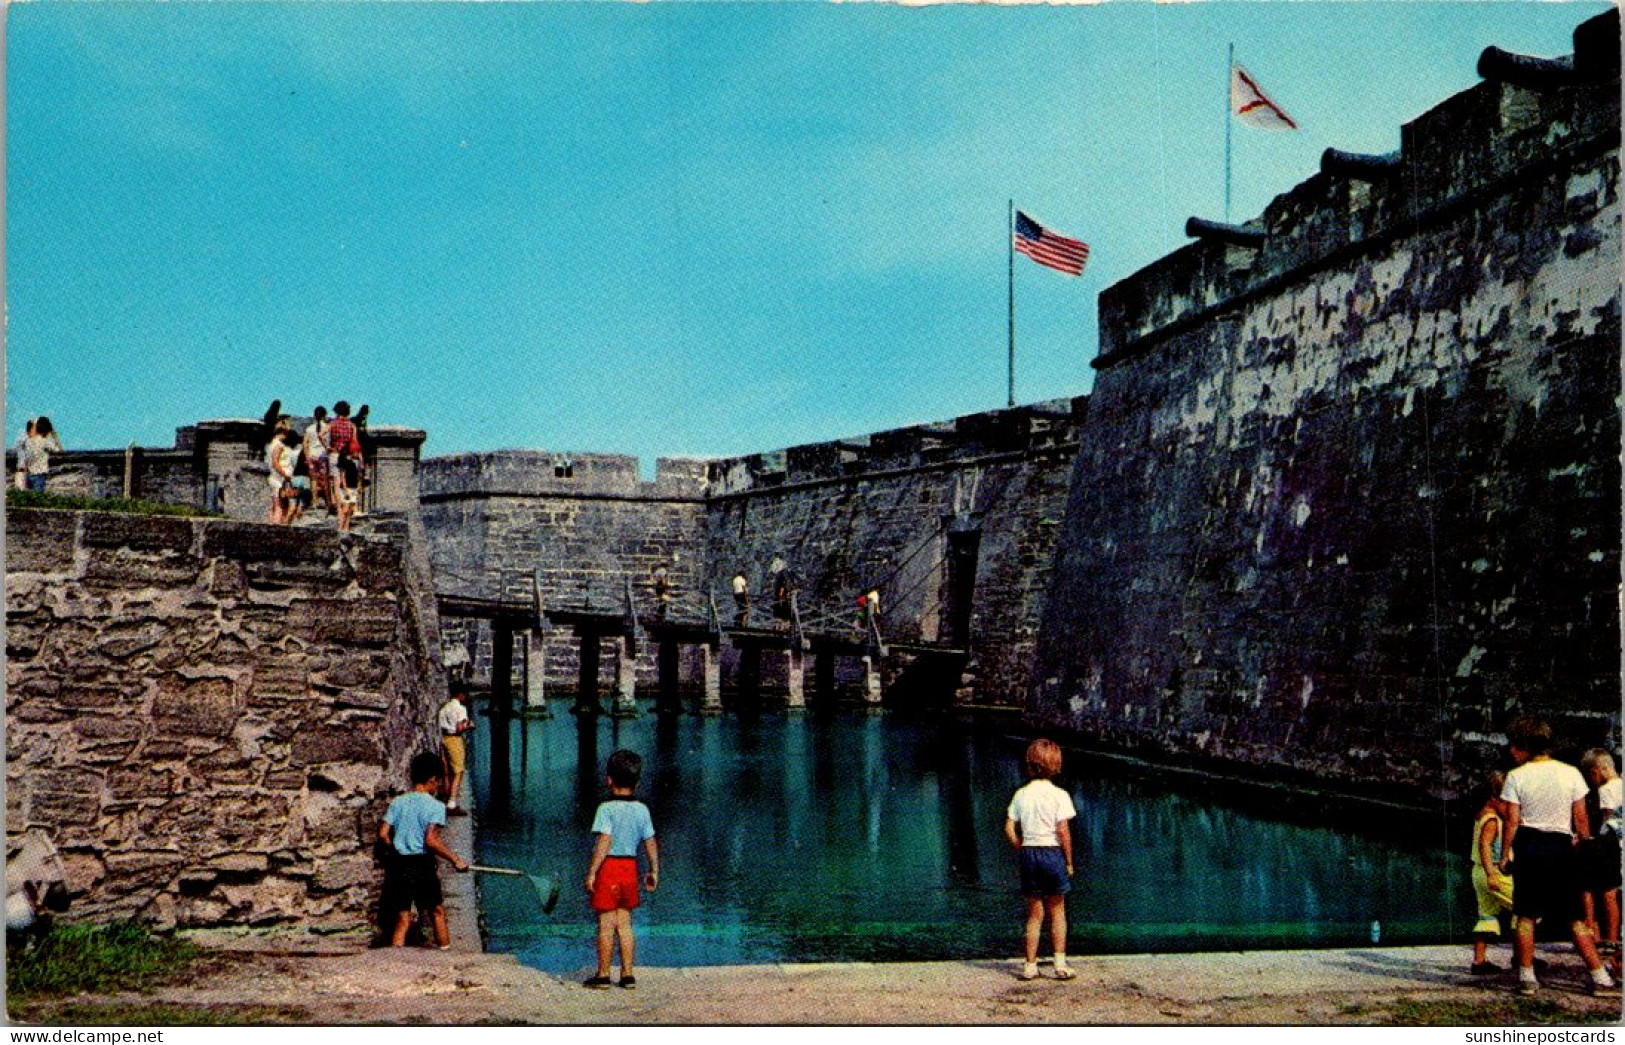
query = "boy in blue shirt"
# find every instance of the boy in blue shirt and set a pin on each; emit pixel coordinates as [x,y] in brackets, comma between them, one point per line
[412,828]
[612,879]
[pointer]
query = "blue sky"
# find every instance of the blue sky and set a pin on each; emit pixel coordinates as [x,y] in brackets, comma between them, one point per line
[660,229]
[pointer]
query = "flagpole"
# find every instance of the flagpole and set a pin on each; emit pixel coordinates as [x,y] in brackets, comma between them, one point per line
[1010,247]
[1229,77]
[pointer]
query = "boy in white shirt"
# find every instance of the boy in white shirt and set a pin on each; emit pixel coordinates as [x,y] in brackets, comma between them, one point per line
[1599,858]
[1038,825]
[1546,813]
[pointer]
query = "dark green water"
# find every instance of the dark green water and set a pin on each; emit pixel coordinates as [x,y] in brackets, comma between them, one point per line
[863,837]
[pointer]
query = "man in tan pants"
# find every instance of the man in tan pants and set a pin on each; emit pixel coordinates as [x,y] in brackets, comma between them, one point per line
[454,722]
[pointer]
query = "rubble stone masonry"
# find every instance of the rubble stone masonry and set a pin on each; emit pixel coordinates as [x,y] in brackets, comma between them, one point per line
[208,716]
[1346,504]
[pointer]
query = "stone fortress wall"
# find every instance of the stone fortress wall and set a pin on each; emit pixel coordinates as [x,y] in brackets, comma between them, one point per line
[953,523]
[207,717]
[844,517]
[1346,495]
[585,526]
[1349,500]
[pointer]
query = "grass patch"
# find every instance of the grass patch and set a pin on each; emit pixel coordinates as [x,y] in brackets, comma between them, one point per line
[161,1014]
[96,959]
[16,498]
[1500,1010]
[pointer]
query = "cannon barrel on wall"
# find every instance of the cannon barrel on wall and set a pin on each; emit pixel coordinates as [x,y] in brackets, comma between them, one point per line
[1522,70]
[1359,165]
[1235,235]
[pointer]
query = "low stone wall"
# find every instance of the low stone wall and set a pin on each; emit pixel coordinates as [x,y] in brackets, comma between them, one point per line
[208,716]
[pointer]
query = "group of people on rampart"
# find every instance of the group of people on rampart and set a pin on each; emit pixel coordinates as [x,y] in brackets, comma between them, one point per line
[325,464]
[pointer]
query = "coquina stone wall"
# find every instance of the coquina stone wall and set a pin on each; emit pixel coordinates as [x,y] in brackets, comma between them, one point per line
[887,513]
[208,716]
[587,525]
[1347,503]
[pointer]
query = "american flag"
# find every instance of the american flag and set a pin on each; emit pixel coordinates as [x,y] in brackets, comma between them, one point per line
[1049,248]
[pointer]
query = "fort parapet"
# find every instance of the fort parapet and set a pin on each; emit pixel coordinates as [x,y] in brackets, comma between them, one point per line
[1348,501]
[220,465]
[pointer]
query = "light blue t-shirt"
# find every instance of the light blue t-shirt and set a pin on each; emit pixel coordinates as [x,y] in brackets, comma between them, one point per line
[410,817]
[627,823]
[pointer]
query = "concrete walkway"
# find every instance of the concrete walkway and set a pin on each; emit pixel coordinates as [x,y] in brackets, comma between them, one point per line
[1357,986]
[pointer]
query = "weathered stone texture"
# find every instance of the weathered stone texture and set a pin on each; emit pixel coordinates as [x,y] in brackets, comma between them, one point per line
[494,520]
[209,731]
[848,517]
[1342,510]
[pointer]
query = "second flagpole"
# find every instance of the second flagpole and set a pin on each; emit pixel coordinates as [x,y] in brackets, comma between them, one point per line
[1010,247]
[1229,78]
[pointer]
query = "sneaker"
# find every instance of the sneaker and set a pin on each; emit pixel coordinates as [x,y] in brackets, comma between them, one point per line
[1486,969]
[456,811]
[595,981]
[1029,971]
[1604,990]
[1526,988]
[629,982]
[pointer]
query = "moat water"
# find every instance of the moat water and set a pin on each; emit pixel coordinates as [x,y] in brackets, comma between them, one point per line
[859,836]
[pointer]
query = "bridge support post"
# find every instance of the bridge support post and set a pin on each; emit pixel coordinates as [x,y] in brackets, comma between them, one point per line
[501,704]
[626,678]
[668,669]
[749,681]
[795,675]
[871,680]
[535,695]
[587,683]
[711,671]
[824,678]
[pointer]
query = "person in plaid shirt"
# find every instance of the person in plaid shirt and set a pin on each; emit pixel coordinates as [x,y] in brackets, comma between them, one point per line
[342,444]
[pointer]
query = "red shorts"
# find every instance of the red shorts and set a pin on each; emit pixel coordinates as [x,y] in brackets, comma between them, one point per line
[616,887]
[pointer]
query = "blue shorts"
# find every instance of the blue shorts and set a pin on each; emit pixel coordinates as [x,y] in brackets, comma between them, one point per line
[1043,871]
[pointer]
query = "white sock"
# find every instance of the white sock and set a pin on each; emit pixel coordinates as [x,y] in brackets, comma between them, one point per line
[1600,975]
[1060,959]
[1029,969]
[452,804]
[1526,974]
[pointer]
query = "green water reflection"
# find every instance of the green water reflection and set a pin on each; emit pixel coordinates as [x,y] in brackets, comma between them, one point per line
[857,837]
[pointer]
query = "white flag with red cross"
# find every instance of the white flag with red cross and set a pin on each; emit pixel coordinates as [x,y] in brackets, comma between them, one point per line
[1250,105]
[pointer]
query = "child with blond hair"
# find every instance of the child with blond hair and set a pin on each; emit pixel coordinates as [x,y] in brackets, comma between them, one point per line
[1038,824]
[1493,888]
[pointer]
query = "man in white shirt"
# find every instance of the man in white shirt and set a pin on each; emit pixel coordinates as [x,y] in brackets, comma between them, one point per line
[454,722]
[1547,815]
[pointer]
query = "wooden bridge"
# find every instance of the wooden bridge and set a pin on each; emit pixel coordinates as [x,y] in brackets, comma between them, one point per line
[785,639]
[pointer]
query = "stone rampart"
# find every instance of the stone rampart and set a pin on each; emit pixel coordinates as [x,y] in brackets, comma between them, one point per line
[220,465]
[953,523]
[586,524]
[1346,503]
[208,716]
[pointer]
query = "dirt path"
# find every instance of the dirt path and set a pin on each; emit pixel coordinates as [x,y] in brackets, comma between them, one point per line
[1425,984]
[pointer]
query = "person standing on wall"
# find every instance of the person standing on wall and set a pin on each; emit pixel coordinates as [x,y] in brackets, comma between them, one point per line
[344,456]
[660,584]
[316,459]
[454,722]
[21,480]
[741,588]
[37,450]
